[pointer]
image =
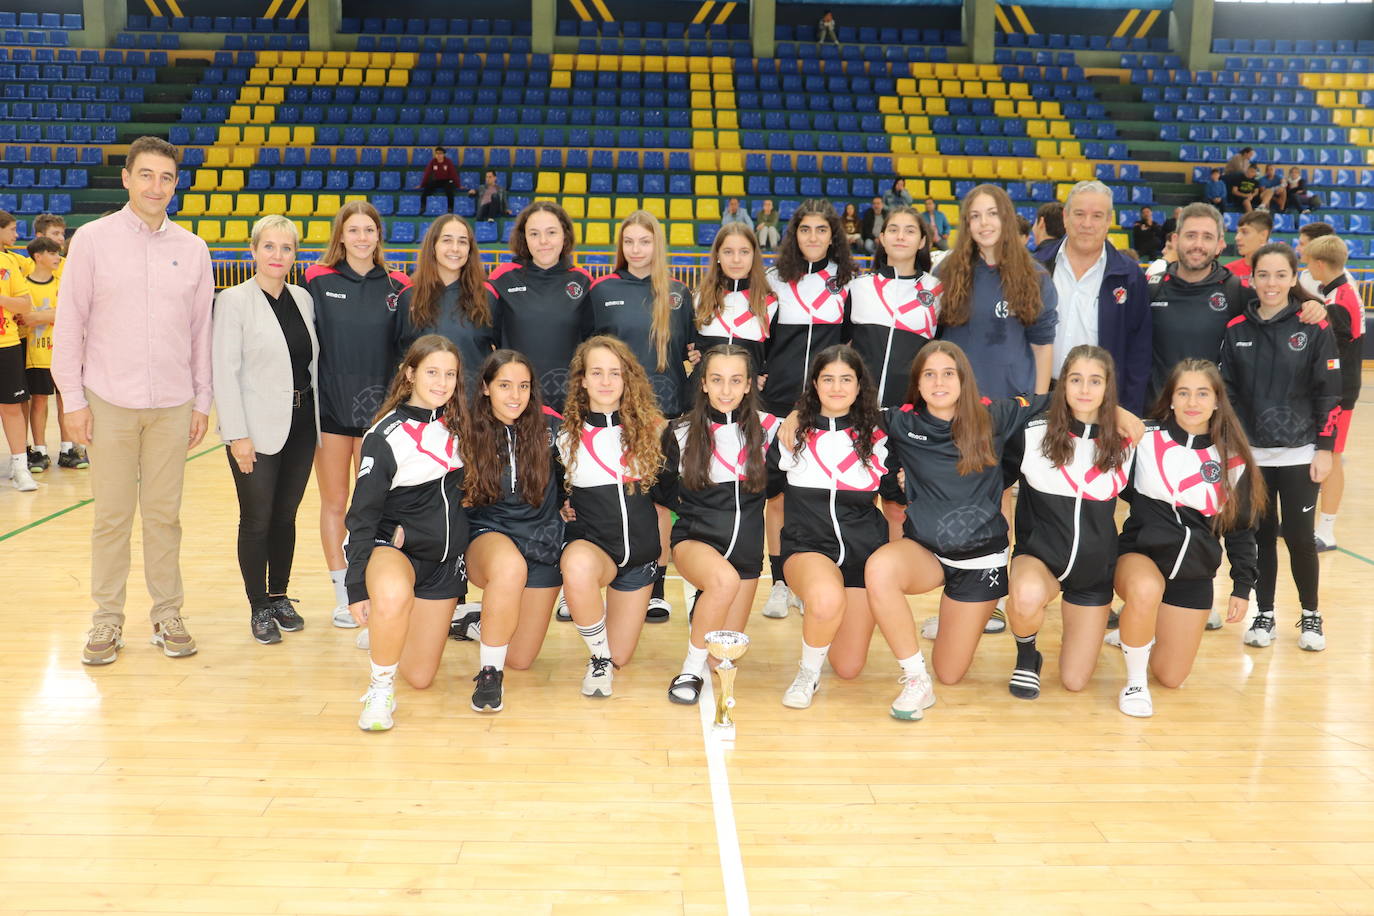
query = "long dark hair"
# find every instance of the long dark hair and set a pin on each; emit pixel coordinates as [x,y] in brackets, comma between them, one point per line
[429,287]
[696,454]
[790,263]
[922,253]
[1298,294]
[1019,272]
[863,413]
[1228,436]
[971,428]
[455,411]
[1112,446]
[487,444]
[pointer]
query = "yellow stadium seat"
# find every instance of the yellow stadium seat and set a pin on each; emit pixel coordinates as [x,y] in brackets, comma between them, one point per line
[906,86]
[259,75]
[1070,149]
[983,168]
[966,71]
[254,135]
[1119,240]
[721,64]
[682,235]
[1004,108]
[575,183]
[374,77]
[239,114]
[706,186]
[208,230]
[1008,169]
[675,64]
[951,89]
[901,145]
[250,95]
[698,65]
[192,205]
[907,165]
[929,87]
[631,64]
[206,179]
[996,90]
[723,82]
[396,77]
[314,58]
[1046,149]
[248,205]
[680,208]
[560,79]
[703,140]
[889,104]
[729,120]
[596,234]
[547,183]
[657,206]
[732,185]
[916,186]
[704,161]
[317,232]
[936,107]
[940,190]
[1342,117]
[703,120]
[725,100]
[599,208]
[274,203]
[576,206]
[698,81]
[185,224]
[1018,90]
[701,99]
[608,62]
[912,105]
[1326,99]
[1025,108]
[268,58]
[1061,129]
[1081,170]
[932,166]
[278,136]
[405,60]
[973,89]
[1057,170]
[380,60]
[1050,110]
[894,123]
[731,162]
[624,206]
[231,180]
[728,139]
[235,231]
[653,63]
[926,146]
[958,168]
[283,76]
[245,157]
[1037,129]
[309,76]
[264,114]
[708,208]
[562,62]
[1032,170]
[327,205]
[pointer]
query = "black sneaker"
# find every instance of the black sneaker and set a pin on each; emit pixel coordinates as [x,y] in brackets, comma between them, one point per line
[285,614]
[263,625]
[464,629]
[487,695]
[74,457]
[38,462]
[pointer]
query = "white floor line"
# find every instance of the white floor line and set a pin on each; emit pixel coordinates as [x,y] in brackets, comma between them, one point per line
[727,838]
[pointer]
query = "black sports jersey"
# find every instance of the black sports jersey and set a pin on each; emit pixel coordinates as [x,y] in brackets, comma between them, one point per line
[536,530]
[890,319]
[622,305]
[544,315]
[1175,493]
[1066,516]
[355,321]
[474,342]
[724,515]
[736,324]
[830,493]
[609,515]
[410,476]
[810,317]
[957,517]
[1283,378]
[1189,319]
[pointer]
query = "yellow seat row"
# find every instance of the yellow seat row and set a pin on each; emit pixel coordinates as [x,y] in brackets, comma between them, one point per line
[677,208]
[699,82]
[595,234]
[337,59]
[971,89]
[715,140]
[255,135]
[1361,136]
[705,120]
[912,105]
[946,71]
[1041,130]
[1338,98]
[1337,80]
[711,161]
[641,63]
[252,205]
[261,95]
[328,76]
[984,168]
[1353,117]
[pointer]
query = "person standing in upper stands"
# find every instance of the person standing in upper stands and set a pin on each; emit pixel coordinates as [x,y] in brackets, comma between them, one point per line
[356,297]
[439,175]
[1048,227]
[136,284]
[735,214]
[1252,233]
[766,227]
[542,308]
[491,200]
[1215,191]
[871,226]
[1103,298]
[1146,237]
[939,226]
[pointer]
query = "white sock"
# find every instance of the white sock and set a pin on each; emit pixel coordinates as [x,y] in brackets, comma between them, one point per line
[41,449]
[813,658]
[1137,663]
[384,676]
[1326,527]
[914,664]
[340,590]
[19,461]
[595,638]
[67,446]
[1002,604]
[695,663]
[492,656]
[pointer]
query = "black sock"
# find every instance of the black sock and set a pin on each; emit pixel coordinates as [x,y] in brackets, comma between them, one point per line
[775,567]
[658,582]
[1025,652]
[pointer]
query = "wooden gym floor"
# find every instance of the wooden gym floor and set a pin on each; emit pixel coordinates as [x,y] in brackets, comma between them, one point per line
[236,781]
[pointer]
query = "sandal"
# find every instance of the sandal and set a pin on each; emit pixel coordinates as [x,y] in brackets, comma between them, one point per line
[690,681]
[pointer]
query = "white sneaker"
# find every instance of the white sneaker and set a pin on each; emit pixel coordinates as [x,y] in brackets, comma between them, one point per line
[1214,621]
[1113,638]
[344,620]
[1135,701]
[918,695]
[22,480]
[378,705]
[930,628]
[597,681]
[803,688]
[363,641]
[560,611]
[1311,636]
[794,601]
[1261,632]
[779,597]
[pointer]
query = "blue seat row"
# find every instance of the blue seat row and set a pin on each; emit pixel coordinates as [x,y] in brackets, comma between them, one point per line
[434,26]
[1049,74]
[1287,155]
[12,20]
[167,41]
[1325,177]
[871,35]
[1273,114]
[23,178]
[1151,61]
[62,155]
[298,42]
[56,38]
[75,73]
[112,57]
[31,204]
[64,92]
[1082,42]
[1300,64]
[139,22]
[11,132]
[631,28]
[1287,78]
[1291,46]
[1268,134]
[1243,95]
[1023,57]
[68,111]
[495,43]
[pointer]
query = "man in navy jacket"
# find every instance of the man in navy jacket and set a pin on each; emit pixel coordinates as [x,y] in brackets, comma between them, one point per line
[1120,322]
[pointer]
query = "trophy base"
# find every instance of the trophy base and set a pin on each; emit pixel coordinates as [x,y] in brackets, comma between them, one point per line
[725,733]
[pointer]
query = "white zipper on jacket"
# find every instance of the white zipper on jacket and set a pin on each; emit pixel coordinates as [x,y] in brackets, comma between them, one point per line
[510,450]
[443,495]
[734,533]
[887,358]
[1187,532]
[620,491]
[835,519]
[1077,506]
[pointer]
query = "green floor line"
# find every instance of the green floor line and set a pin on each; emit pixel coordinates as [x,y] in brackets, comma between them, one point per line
[1356,555]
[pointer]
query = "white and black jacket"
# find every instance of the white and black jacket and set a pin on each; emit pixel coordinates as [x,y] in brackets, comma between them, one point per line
[1066,516]
[736,324]
[830,492]
[810,317]
[622,523]
[957,517]
[890,319]
[1175,493]
[410,476]
[725,515]
[537,531]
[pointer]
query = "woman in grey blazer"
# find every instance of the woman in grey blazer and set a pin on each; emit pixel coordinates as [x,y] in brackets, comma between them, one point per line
[265,355]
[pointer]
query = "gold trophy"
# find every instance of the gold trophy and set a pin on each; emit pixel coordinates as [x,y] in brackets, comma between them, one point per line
[726,646]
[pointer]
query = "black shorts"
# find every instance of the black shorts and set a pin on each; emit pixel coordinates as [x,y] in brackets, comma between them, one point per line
[633,578]
[1195,594]
[1085,587]
[975,585]
[14,383]
[748,563]
[40,382]
[437,580]
[537,574]
[328,425]
[851,570]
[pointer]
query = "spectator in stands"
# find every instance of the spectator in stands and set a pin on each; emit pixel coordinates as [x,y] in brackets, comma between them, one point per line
[766,226]
[1048,227]
[1023,231]
[1103,298]
[826,29]
[1245,190]
[439,175]
[872,225]
[491,200]
[939,226]
[734,213]
[1215,191]
[1171,224]
[1146,236]
[849,222]
[136,282]
[1299,198]
[1240,162]
[897,195]
[1273,188]
[1251,234]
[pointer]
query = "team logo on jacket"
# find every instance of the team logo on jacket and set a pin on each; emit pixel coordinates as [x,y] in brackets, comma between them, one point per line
[1217,302]
[832,285]
[1119,294]
[925,297]
[392,299]
[1211,471]
[1298,341]
[675,300]
[1001,309]
[573,289]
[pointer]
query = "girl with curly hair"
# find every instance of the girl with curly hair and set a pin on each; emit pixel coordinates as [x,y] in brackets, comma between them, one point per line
[612,456]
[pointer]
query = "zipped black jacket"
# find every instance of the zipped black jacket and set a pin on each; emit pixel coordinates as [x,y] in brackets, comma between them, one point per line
[622,305]
[544,315]
[1189,319]
[537,531]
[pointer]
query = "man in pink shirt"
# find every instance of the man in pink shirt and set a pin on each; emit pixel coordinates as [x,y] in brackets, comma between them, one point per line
[131,356]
